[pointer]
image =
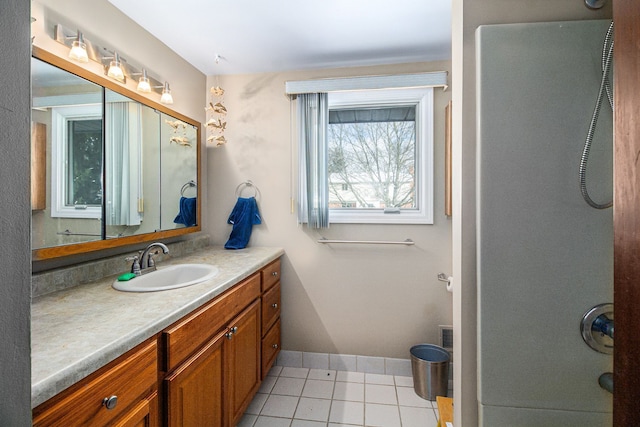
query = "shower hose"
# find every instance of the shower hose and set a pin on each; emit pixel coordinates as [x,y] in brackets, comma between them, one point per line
[605,87]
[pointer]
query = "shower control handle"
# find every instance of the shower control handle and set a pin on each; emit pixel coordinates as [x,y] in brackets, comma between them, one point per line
[596,328]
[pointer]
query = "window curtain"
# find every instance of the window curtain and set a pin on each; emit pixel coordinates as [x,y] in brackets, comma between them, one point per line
[313,118]
[123,134]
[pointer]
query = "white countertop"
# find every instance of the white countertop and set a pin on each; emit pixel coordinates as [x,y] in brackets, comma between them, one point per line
[76,331]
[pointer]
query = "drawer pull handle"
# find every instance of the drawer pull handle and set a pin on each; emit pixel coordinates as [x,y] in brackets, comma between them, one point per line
[275,346]
[274,274]
[110,402]
[274,305]
[232,331]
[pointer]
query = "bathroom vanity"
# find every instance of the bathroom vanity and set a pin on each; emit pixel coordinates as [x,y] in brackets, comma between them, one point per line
[191,356]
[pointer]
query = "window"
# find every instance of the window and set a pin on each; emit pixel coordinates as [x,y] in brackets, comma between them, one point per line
[380,161]
[76,185]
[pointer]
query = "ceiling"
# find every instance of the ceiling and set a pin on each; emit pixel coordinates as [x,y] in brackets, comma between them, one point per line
[255,36]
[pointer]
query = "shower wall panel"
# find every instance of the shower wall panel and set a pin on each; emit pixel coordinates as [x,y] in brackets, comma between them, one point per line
[544,256]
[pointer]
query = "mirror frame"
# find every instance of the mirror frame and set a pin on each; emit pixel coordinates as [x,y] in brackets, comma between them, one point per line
[54,252]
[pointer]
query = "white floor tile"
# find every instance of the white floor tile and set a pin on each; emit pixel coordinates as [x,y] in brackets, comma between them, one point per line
[385,394]
[267,384]
[288,386]
[289,371]
[408,397]
[347,412]
[349,391]
[318,389]
[274,371]
[280,406]
[376,415]
[289,358]
[272,422]
[322,374]
[307,423]
[344,425]
[351,377]
[247,420]
[417,417]
[403,381]
[379,379]
[257,403]
[313,409]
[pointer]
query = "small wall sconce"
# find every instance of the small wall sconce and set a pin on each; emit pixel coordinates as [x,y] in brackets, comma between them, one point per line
[115,69]
[115,66]
[78,50]
[166,97]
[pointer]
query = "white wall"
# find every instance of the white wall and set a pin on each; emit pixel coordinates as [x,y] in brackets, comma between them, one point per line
[15,250]
[467,15]
[366,300]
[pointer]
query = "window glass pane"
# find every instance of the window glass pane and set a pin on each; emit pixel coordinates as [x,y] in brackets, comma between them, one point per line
[372,158]
[84,183]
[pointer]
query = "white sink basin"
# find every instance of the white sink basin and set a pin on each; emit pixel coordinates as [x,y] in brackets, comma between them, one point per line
[170,277]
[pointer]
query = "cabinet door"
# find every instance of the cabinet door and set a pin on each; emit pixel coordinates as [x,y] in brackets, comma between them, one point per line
[194,390]
[144,414]
[242,360]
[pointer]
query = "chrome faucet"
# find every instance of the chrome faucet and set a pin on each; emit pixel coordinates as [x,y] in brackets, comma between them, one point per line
[147,264]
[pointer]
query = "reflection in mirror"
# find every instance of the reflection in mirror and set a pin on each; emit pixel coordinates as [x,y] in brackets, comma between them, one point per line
[178,148]
[100,151]
[67,109]
[132,163]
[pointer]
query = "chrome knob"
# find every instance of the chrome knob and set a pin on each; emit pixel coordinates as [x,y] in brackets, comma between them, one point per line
[110,402]
[232,331]
[274,305]
[274,274]
[275,346]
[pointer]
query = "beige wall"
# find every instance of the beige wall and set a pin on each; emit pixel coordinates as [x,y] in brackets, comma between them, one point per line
[467,16]
[367,300]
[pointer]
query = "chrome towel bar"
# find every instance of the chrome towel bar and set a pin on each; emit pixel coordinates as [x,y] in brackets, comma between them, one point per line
[407,242]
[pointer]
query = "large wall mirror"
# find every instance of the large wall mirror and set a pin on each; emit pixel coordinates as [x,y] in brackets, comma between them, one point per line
[109,167]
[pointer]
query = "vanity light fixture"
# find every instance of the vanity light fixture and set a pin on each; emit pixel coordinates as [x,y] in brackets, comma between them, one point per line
[143,84]
[78,51]
[115,68]
[166,94]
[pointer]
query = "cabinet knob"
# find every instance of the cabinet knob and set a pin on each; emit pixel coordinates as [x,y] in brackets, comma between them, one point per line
[274,305]
[274,274]
[275,346]
[232,331]
[110,402]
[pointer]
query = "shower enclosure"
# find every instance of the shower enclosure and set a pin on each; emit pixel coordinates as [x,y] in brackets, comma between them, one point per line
[545,257]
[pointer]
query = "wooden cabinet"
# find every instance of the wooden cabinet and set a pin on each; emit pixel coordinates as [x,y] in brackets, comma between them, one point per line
[271,306]
[210,364]
[116,394]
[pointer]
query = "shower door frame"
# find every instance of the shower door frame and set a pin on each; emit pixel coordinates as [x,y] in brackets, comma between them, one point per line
[626,15]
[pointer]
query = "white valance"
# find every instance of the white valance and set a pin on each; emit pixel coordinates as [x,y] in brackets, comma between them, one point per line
[396,81]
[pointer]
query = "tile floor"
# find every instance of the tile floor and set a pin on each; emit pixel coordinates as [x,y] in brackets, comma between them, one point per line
[302,397]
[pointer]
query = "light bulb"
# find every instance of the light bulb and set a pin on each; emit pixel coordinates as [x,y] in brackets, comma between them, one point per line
[143,83]
[115,70]
[166,97]
[78,50]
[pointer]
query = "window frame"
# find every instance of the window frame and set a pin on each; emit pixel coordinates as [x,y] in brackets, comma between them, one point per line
[422,98]
[60,116]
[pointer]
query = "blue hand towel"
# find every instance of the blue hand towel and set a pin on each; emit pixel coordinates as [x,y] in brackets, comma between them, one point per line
[187,213]
[243,216]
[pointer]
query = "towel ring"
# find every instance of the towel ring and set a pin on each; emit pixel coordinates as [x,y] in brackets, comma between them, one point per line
[247,184]
[189,184]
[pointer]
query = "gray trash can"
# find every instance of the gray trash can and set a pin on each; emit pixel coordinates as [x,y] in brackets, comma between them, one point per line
[430,367]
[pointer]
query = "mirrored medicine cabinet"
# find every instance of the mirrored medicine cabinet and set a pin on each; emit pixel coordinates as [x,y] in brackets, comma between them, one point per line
[109,167]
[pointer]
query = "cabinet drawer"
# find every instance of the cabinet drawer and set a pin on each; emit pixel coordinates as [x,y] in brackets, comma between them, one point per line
[270,307]
[128,380]
[185,337]
[270,275]
[270,348]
